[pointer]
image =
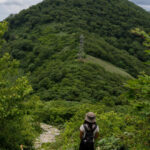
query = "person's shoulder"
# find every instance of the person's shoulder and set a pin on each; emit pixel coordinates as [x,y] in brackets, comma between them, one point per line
[97,128]
[82,128]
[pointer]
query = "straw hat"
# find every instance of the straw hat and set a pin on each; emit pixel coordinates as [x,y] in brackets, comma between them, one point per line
[90,117]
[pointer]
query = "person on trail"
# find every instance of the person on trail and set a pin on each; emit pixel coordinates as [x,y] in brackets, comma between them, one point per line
[89,132]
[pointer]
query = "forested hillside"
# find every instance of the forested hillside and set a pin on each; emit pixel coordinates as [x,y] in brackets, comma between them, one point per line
[68,57]
[46,39]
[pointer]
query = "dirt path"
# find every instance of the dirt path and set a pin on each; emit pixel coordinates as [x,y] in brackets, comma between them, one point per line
[48,135]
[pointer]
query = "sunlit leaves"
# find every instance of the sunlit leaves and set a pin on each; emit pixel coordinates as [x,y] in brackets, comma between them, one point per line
[3,29]
[143,35]
[140,87]
[13,89]
[16,127]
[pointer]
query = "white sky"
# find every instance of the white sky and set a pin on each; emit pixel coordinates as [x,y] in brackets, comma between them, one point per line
[147,7]
[8,7]
[143,3]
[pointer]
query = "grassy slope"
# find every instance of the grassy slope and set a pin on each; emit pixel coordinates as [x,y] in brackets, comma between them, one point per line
[107,66]
[98,47]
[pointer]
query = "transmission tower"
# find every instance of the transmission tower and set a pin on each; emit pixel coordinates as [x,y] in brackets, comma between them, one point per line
[81,48]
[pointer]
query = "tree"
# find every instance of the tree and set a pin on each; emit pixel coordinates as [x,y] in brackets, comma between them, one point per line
[146,38]
[3,28]
[14,90]
[140,88]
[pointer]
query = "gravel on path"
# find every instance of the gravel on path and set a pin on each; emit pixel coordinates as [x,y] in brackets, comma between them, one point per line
[48,135]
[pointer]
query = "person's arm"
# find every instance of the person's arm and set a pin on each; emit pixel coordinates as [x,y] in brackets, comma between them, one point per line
[96,135]
[81,132]
[81,135]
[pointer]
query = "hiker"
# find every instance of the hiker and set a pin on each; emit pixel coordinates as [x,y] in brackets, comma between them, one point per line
[89,132]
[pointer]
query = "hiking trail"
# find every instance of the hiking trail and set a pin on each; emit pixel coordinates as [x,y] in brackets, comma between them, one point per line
[47,136]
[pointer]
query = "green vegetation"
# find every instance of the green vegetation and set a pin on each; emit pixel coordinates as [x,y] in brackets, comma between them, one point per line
[75,81]
[56,72]
[3,29]
[17,124]
[123,126]
[130,130]
[123,121]
[47,44]
[107,66]
[42,78]
[106,25]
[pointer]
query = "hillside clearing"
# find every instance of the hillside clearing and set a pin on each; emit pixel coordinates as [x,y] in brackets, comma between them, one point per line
[107,66]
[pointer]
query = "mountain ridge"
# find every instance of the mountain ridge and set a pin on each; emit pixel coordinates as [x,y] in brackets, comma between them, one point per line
[46,38]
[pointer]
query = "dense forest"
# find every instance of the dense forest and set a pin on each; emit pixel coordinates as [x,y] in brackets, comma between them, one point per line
[63,58]
[46,40]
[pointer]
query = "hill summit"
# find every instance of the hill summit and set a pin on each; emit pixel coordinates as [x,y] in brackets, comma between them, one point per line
[46,38]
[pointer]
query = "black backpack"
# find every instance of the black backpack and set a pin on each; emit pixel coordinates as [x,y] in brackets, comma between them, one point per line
[89,134]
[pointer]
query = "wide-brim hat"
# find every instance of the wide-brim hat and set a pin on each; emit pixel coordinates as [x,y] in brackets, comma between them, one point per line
[90,117]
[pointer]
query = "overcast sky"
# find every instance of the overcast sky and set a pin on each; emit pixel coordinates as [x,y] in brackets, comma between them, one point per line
[8,7]
[143,3]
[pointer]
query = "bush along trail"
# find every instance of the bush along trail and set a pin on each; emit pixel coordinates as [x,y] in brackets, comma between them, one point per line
[47,136]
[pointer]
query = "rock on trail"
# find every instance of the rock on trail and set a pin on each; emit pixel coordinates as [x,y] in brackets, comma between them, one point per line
[48,135]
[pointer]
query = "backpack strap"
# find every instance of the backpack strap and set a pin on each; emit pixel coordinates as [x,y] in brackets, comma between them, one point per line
[87,129]
[94,128]
[89,133]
